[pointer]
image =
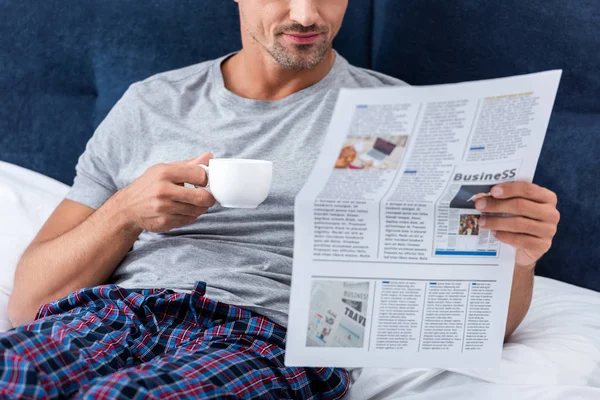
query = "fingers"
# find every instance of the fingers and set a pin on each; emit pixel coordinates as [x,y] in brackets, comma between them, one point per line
[533,245]
[525,190]
[165,204]
[518,225]
[521,207]
[179,173]
[197,197]
[201,159]
[533,221]
[187,171]
[170,178]
[480,196]
[184,209]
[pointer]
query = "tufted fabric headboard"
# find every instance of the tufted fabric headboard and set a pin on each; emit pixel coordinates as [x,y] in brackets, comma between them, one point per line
[64,63]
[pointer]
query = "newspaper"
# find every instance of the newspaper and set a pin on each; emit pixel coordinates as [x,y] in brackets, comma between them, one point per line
[391,268]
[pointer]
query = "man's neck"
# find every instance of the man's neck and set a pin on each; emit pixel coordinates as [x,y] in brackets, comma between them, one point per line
[256,75]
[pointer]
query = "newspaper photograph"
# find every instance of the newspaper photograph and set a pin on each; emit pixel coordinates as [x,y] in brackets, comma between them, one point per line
[392,267]
[337,313]
[372,153]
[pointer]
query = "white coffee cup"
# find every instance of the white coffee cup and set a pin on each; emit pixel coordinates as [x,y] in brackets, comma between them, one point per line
[239,183]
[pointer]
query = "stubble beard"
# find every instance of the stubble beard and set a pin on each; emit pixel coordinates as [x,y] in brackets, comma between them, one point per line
[299,56]
[295,56]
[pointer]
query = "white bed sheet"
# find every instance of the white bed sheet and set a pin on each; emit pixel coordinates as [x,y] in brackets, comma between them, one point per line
[493,391]
[26,200]
[554,354]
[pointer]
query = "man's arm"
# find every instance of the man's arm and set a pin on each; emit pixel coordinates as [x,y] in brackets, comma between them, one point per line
[79,247]
[530,229]
[520,298]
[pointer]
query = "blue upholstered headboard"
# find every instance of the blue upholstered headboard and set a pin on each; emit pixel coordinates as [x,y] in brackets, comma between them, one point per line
[64,63]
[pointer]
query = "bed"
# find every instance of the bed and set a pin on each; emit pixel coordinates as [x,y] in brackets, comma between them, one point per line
[65,63]
[554,354]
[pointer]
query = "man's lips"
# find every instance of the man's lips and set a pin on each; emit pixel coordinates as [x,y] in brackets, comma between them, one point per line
[302,38]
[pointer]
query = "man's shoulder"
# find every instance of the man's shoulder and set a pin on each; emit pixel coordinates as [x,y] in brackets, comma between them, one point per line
[174,78]
[357,77]
[181,74]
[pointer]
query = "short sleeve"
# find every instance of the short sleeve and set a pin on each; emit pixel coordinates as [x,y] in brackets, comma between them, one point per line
[97,168]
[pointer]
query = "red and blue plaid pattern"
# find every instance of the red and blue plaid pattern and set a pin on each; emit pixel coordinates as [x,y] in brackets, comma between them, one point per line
[109,342]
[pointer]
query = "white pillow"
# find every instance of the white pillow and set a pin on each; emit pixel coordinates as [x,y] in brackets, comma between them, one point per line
[26,200]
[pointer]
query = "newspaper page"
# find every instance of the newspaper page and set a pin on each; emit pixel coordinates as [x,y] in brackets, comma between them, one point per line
[391,268]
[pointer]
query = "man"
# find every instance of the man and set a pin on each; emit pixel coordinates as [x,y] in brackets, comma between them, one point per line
[198,295]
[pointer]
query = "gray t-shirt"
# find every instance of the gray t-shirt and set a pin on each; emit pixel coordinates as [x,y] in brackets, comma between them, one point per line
[244,256]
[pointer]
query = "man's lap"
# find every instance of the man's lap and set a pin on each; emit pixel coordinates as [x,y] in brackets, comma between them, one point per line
[149,343]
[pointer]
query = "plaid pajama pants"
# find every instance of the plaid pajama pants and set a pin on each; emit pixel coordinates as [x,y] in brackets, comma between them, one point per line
[109,342]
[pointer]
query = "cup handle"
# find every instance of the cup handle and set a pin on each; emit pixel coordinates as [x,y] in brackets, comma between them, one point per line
[206,169]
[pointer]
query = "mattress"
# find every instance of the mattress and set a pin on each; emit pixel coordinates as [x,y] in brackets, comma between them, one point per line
[554,354]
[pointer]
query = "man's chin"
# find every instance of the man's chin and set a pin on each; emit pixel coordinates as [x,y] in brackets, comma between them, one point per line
[300,56]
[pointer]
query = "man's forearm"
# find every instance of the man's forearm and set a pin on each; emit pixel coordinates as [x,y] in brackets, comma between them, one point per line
[82,257]
[520,297]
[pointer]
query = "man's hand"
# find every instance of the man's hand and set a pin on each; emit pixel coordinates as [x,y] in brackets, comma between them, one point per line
[533,223]
[157,201]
